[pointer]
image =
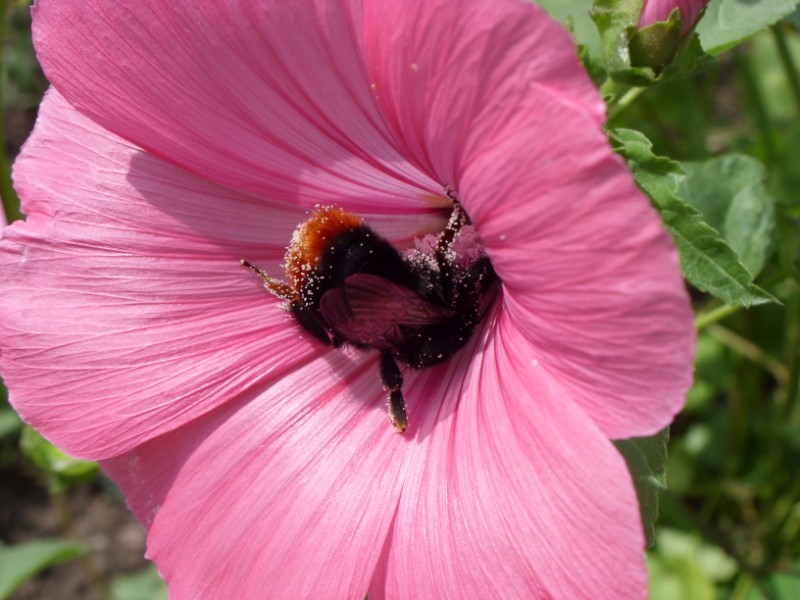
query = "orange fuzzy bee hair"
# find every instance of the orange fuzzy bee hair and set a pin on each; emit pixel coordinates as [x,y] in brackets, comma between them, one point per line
[312,238]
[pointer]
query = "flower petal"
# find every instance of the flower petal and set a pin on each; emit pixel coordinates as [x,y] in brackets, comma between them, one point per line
[124,311]
[286,493]
[443,71]
[589,273]
[267,97]
[513,492]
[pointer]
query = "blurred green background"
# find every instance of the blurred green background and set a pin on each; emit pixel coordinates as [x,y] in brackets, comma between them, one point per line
[729,523]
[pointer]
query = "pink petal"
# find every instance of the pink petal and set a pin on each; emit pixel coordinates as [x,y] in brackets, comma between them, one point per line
[589,274]
[268,97]
[446,71]
[125,311]
[286,493]
[513,492]
[284,479]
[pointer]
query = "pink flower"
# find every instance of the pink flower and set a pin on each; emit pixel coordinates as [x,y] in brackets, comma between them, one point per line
[181,137]
[654,11]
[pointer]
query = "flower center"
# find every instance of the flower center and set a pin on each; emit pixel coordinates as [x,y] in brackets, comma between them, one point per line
[348,285]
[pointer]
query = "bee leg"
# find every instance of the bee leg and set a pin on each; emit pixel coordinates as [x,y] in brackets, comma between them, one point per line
[279,288]
[392,380]
[458,218]
[444,247]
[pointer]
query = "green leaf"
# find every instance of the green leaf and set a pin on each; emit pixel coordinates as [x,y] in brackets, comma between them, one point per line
[145,585]
[647,458]
[785,586]
[617,21]
[706,260]
[729,22]
[769,78]
[656,45]
[691,58]
[730,193]
[789,244]
[593,65]
[64,469]
[683,566]
[678,579]
[794,18]
[21,562]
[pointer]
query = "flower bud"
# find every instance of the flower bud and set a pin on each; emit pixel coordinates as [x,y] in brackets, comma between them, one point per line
[663,27]
[659,10]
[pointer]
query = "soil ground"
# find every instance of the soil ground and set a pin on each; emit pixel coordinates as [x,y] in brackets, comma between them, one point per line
[99,520]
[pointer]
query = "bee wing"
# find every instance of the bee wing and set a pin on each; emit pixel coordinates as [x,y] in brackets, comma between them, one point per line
[372,310]
[374,297]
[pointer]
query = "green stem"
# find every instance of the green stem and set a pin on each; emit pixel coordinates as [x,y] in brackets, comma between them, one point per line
[750,351]
[792,352]
[712,315]
[758,110]
[627,98]
[742,587]
[788,63]
[610,89]
[705,319]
